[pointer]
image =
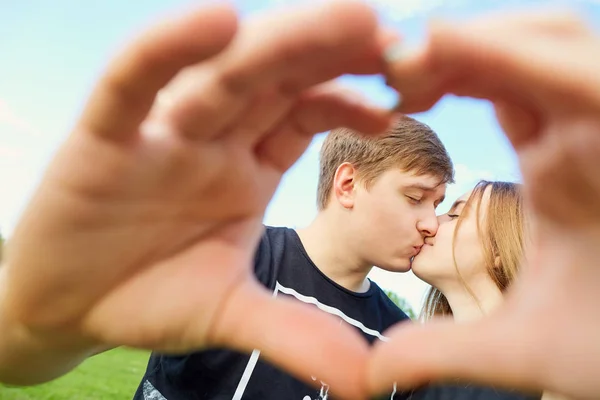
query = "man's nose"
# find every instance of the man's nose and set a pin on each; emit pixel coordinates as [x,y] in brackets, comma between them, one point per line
[428,225]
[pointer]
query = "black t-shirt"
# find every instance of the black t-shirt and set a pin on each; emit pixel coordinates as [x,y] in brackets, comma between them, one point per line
[467,392]
[283,266]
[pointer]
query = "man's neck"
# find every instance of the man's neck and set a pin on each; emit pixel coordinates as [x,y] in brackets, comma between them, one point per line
[467,308]
[326,248]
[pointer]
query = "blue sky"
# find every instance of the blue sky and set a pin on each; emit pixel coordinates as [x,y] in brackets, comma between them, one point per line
[52,52]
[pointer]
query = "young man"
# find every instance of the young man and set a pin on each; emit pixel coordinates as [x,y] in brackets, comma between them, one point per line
[377,199]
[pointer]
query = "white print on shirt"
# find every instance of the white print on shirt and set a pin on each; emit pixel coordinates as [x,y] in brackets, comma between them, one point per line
[150,392]
[324,392]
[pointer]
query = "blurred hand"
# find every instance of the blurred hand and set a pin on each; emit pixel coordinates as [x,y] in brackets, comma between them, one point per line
[143,230]
[540,71]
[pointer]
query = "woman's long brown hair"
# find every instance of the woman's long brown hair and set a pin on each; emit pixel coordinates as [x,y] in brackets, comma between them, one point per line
[502,239]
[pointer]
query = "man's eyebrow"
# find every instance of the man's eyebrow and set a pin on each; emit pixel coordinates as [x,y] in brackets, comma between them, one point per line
[420,186]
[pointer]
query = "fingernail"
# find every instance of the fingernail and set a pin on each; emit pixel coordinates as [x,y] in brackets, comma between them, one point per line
[164,98]
[156,130]
[394,52]
[399,51]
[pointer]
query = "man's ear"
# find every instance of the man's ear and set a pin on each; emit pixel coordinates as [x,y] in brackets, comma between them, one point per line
[344,185]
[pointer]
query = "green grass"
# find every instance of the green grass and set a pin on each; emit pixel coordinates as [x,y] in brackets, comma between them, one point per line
[111,375]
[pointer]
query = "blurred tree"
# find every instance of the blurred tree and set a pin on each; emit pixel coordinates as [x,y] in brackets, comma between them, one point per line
[401,303]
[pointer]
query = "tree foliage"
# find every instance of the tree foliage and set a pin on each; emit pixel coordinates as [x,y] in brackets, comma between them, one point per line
[401,303]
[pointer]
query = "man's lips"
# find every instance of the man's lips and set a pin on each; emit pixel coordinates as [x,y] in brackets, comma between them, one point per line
[416,250]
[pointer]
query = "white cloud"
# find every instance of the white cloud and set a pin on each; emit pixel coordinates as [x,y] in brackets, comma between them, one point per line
[20,168]
[400,10]
[17,179]
[393,9]
[10,118]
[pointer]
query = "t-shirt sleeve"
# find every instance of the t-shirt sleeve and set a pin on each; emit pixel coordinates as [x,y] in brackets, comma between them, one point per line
[263,261]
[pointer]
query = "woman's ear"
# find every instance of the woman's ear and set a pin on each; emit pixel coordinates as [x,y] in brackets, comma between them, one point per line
[497,262]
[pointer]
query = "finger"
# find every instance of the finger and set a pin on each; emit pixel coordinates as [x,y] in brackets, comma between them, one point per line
[486,353]
[297,337]
[341,38]
[561,176]
[125,94]
[521,123]
[483,60]
[306,37]
[268,109]
[386,37]
[265,111]
[361,60]
[329,99]
[516,57]
[324,108]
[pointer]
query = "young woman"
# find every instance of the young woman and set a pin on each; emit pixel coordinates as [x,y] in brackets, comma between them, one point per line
[473,259]
[476,253]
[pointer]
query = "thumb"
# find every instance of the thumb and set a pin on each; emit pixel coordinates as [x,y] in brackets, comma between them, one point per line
[520,123]
[488,352]
[296,337]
